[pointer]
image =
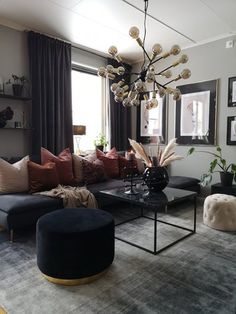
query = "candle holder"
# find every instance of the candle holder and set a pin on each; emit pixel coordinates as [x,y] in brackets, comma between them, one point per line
[132,176]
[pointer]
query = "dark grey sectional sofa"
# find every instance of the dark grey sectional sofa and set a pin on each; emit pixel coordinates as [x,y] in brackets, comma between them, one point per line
[23,209]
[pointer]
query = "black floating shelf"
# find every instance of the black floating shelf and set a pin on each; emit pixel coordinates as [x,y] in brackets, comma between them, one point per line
[14,97]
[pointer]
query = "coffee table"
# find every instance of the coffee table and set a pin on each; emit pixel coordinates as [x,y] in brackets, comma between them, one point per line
[156,202]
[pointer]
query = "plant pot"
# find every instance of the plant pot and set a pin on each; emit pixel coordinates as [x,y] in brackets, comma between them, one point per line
[17,89]
[226,178]
[100,147]
[156,178]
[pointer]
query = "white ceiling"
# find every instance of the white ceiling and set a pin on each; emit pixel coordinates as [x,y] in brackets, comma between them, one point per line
[98,24]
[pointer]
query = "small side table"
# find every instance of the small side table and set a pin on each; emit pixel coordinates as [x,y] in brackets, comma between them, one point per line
[218,188]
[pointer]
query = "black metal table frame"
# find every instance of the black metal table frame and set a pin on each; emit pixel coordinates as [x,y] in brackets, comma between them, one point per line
[155,251]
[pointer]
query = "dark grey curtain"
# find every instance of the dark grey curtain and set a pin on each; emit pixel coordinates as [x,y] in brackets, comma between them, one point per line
[120,117]
[50,71]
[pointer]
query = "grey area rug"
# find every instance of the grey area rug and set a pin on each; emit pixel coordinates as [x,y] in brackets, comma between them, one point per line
[197,275]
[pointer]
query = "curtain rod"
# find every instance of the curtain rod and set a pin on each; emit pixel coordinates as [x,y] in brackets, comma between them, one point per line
[66,41]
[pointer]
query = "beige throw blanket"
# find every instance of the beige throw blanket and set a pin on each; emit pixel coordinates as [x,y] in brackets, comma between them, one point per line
[72,196]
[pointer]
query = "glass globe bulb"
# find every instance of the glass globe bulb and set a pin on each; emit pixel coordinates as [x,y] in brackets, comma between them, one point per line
[118,91]
[112,50]
[176,94]
[167,74]
[118,99]
[127,102]
[134,32]
[185,74]
[156,49]
[102,72]
[150,77]
[120,70]
[183,59]
[175,50]
[161,92]
[110,68]
[138,85]
[113,87]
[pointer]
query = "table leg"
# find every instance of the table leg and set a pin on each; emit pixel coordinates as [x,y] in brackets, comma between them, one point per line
[155,233]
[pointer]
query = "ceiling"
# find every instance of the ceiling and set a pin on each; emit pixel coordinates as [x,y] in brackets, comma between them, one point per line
[98,24]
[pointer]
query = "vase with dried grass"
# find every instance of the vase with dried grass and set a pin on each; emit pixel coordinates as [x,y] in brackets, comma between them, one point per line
[155,175]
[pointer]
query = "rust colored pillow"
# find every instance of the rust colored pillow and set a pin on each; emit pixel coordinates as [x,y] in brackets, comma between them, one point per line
[63,163]
[126,167]
[93,171]
[42,177]
[110,161]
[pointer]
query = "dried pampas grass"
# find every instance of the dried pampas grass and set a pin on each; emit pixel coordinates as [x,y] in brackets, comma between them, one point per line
[164,158]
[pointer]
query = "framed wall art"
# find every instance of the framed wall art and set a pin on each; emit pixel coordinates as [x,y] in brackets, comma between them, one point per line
[195,118]
[151,123]
[232,92]
[231,130]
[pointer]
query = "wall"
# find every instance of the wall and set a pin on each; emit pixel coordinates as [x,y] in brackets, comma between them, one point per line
[207,62]
[13,60]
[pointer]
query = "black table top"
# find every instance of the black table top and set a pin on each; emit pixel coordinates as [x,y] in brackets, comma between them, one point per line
[153,199]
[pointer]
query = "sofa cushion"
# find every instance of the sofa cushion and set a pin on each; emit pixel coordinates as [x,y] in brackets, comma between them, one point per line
[110,161]
[23,202]
[42,177]
[14,177]
[63,163]
[93,171]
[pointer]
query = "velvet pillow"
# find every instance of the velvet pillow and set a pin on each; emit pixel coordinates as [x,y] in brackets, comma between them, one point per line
[42,177]
[125,166]
[110,161]
[93,171]
[14,177]
[63,164]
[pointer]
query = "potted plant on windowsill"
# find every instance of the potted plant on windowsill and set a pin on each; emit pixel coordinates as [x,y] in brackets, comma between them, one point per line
[100,142]
[227,171]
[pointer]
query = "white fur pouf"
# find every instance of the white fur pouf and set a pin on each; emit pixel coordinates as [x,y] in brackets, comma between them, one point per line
[220,212]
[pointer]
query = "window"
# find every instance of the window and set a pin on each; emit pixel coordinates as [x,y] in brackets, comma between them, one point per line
[88,106]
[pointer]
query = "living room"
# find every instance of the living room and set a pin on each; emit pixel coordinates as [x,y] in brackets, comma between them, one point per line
[196,275]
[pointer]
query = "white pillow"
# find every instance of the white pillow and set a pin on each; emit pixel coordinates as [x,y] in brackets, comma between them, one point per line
[14,177]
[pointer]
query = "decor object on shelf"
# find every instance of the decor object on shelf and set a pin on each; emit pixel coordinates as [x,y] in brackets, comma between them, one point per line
[155,176]
[17,85]
[131,95]
[231,130]
[196,113]
[232,92]
[78,130]
[227,172]
[5,115]
[100,142]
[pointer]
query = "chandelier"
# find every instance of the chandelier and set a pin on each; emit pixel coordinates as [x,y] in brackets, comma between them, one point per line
[139,88]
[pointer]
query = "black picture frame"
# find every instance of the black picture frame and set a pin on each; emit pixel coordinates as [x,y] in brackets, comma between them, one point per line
[195,115]
[231,130]
[232,92]
[160,139]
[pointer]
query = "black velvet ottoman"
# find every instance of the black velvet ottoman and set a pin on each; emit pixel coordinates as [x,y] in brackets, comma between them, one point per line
[75,245]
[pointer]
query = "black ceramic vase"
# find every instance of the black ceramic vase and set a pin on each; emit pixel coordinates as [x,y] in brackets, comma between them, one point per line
[156,178]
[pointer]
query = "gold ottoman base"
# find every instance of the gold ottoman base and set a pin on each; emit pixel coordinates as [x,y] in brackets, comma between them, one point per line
[75,282]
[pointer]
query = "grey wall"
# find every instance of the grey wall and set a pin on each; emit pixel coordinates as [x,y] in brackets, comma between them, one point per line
[207,62]
[13,60]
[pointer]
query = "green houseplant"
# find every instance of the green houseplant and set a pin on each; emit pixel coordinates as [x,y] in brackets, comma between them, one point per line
[218,164]
[100,142]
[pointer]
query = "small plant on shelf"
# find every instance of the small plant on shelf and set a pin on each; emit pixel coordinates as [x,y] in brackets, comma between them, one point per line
[18,83]
[227,171]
